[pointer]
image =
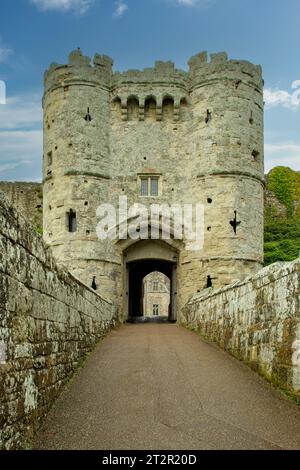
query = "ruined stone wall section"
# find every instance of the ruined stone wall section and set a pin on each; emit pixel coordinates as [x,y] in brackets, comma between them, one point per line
[257,320]
[49,321]
[27,198]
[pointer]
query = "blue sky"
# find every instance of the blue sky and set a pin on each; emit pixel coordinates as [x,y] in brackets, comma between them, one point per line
[34,33]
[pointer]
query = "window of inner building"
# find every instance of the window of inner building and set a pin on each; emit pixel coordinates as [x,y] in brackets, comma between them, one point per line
[155,286]
[149,186]
[71,221]
[155,310]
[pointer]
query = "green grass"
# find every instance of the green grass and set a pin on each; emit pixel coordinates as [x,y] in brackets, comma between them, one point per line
[39,230]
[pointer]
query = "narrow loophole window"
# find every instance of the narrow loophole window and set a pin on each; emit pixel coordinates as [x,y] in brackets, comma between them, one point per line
[72,221]
[49,158]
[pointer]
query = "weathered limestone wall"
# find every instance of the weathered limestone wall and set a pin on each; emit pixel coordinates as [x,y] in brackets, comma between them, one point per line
[49,321]
[257,320]
[27,198]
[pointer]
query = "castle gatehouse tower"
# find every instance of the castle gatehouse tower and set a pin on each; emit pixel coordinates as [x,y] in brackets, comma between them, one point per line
[156,136]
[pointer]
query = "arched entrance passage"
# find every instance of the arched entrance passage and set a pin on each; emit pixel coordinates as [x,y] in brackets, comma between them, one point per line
[141,259]
[137,270]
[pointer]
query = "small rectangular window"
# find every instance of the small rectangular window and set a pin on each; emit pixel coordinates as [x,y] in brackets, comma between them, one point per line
[149,186]
[155,286]
[155,310]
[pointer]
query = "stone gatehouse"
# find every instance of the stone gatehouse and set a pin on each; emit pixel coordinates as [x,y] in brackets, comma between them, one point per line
[160,135]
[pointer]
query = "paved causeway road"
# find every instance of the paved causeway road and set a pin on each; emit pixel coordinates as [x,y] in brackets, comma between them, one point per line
[158,386]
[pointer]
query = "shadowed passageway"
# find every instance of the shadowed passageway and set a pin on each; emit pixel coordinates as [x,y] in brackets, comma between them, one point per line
[158,386]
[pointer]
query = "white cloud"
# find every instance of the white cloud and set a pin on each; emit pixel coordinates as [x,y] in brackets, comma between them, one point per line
[275,148]
[5,52]
[121,8]
[78,6]
[290,100]
[7,167]
[21,112]
[193,3]
[286,154]
[189,3]
[21,151]
[21,137]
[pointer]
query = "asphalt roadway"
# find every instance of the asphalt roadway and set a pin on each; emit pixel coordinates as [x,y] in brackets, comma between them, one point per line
[159,386]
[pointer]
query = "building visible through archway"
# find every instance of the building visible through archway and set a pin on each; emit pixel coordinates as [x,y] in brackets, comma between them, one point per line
[156,295]
[157,262]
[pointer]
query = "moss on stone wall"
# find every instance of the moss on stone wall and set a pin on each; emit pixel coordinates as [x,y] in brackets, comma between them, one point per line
[256,321]
[49,323]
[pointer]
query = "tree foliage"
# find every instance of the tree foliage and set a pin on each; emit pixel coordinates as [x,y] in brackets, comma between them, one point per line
[282,233]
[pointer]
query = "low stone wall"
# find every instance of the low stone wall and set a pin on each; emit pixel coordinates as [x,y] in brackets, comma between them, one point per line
[257,321]
[49,321]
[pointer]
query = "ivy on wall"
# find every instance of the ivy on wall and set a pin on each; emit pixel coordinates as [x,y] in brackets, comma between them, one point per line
[282,232]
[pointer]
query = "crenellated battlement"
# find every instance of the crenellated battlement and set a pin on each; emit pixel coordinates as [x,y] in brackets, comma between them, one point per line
[81,69]
[161,73]
[201,70]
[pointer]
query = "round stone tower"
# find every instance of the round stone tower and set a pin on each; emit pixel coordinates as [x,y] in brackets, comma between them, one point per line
[227,166]
[76,167]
